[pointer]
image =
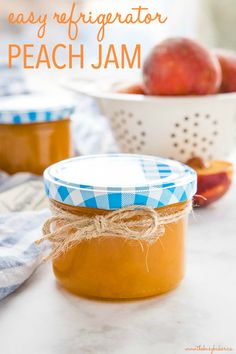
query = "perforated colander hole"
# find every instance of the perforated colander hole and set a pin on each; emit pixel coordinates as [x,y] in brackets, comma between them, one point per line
[123,120]
[142,143]
[130,115]
[120,137]
[122,112]
[143,133]
[189,135]
[134,137]
[139,122]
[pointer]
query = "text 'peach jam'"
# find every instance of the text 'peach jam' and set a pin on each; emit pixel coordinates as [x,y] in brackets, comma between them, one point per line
[121,224]
[34,132]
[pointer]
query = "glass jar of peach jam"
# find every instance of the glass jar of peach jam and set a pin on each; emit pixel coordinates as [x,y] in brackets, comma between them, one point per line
[34,132]
[118,266]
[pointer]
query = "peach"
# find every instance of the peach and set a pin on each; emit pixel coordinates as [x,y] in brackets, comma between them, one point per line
[135,89]
[227,61]
[214,180]
[181,66]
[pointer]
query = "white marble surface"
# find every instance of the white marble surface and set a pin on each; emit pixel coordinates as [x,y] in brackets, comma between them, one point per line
[42,318]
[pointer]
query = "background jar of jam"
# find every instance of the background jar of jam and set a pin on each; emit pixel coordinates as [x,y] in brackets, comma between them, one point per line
[34,132]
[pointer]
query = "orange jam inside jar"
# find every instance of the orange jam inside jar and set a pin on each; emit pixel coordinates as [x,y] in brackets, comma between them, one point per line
[117,265]
[34,132]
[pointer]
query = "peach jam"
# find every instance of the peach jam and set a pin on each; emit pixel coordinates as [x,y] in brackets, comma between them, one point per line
[115,265]
[34,132]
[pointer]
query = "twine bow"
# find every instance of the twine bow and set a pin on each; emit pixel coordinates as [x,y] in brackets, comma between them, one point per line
[64,229]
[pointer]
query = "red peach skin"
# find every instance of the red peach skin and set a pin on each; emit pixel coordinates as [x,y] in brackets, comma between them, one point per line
[213,180]
[181,66]
[211,188]
[135,89]
[227,61]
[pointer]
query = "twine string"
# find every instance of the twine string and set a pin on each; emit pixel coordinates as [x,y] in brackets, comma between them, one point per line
[64,228]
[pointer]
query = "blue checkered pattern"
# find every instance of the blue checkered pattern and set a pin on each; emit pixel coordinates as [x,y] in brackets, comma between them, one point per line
[12,117]
[176,183]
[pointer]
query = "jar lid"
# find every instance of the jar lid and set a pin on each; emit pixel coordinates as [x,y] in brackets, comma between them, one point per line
[35,108]
[118,180]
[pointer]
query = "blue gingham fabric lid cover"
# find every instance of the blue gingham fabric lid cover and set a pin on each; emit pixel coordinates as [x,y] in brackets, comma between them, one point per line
[119,180]
[35,108]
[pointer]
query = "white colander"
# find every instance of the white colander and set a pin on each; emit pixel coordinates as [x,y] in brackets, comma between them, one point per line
[174,127]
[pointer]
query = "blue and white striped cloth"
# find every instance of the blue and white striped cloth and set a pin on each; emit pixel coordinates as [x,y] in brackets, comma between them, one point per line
[12,82]
[19,256]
